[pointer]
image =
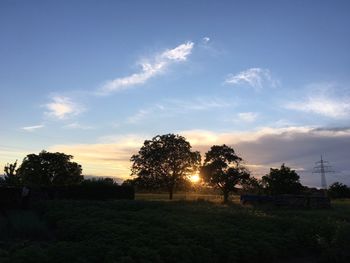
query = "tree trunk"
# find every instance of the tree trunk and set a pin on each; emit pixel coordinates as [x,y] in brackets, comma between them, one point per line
[226,193]
[171,193]
[171,186]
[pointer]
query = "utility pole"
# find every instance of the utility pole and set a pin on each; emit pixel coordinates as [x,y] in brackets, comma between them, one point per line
[322,167]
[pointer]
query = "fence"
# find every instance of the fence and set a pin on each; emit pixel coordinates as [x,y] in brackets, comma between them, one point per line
[291,201]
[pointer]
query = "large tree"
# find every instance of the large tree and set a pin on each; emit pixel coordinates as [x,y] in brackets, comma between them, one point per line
[165,161]
[282,181]
[223,169]
[47,169]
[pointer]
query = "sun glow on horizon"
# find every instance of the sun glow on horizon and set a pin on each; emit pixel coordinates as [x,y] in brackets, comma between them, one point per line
[195,178]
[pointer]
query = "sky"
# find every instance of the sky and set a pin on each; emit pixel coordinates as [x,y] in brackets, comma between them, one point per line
[94,79]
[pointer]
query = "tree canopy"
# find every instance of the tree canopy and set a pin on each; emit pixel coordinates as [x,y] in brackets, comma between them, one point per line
[338,190]
[164,161]
[223,169]
[47,169]
[282,181]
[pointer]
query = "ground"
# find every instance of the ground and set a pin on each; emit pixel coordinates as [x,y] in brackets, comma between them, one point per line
[184,230]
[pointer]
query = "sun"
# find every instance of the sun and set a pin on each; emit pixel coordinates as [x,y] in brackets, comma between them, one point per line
[194,178]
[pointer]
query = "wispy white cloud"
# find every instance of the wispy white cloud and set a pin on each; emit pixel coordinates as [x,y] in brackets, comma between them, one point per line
[141,114]
[247,116]
[149,68]
[33,128]
[338,108]
[174,107]
[254,77]
[208,48]
[205,39]
[180,53]
[197,104]
[77,126]
[63,107]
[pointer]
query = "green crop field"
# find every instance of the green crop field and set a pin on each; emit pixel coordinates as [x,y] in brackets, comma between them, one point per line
[149,230]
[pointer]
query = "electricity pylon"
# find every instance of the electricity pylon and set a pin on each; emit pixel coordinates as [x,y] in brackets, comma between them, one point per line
[322,167]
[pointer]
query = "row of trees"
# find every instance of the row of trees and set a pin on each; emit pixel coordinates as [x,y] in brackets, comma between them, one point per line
[166,161]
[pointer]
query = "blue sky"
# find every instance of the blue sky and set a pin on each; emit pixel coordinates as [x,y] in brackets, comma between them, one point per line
[96,78]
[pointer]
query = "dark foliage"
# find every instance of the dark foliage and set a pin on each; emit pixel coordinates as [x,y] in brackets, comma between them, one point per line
[139,231]
[288,201]
[11,178]
[282,181]
[312,191]
[223,169]
[164,161]
[49,169]
[141,184]
[253,185]
[2,181]
[94,190]
[10,197]
[338,190]
[101,189]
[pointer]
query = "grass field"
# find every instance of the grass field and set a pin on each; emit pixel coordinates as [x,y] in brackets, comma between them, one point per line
[177,231]
[183,196]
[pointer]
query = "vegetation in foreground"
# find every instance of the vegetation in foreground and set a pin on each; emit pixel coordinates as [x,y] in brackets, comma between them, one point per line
[178,231]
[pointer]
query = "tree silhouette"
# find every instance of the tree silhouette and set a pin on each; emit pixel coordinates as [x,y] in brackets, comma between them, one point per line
[47,169]
[282,181]
[10,177]
[338,190]
[253,186]
[223,169]
[164,161]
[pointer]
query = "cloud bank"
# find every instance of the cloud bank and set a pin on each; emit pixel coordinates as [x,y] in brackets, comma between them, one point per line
[298,147]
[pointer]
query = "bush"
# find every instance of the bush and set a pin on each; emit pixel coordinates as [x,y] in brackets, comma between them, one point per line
[94,191]
[23,224]
[10,197]
[339,190]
